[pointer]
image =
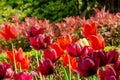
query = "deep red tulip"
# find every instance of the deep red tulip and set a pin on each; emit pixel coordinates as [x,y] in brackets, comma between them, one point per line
[39,42]
[2,71]
[86,67]
[46,67]
[107,74]
[116,66]
[89,29]
[9,32]
[99,58]
[34,31]
[86,50]
[112,56]
[65,59]
[74,50]
[51,54]
[97,42]
[22,76]
[8,70]
[57,48]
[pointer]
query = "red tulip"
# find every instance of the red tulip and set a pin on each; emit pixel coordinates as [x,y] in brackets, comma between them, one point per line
[107,74]
[46,67]
[97,42]
[51,54]
[2,71]
[86,67]
[74,50]
[112,56]
[34,31]
[65,59]
[8,70]
[90,29]
[20,58]
[18,55]
[39,42]
[64,41]
[25,62]
[22,76]
[116,66]
[57,48]
[9,32]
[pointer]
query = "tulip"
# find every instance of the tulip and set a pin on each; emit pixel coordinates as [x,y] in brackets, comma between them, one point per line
[22,76]
[20,58]
[2,71]
[9,32]
[97,42]
[72,64]
[89,29]
[39,42]
[107,74]
[83,42]
[99,57]
[116,66]
[9,70]
[51,54]
[64,41]
[46,67]
[57,48]
[34,31]
[112,56]
[74,50]
[86,67]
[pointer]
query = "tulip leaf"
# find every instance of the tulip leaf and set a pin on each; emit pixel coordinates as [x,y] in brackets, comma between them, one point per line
[65,74]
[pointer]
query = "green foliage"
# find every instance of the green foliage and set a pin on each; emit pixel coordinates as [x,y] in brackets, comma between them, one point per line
[17,43]
[54,10]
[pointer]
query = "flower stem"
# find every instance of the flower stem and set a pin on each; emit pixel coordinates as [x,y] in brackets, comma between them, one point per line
[37,58]
[14,58]
[69,68]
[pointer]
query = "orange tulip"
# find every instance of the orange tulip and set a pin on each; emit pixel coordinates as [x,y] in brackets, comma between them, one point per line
[97,42]
[65,58]
[9,32]
[64,41]
[89,29]
[20,58]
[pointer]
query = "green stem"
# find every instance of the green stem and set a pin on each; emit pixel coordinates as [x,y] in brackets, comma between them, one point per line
[37,58]
[78,77]
[69,68]
[14,58]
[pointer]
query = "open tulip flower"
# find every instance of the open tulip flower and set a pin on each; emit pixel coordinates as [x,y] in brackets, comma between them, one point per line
[9,32]
[116,66]
[97,42]
[64,41]
[89,29]
[87,67]
[51,54]
[8,70]
[46,67]
[40,42]
[108,74]
[22,76]
[74,50]
[57,48]
[34,31]
[20,58]
[112,56]
[72,64]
